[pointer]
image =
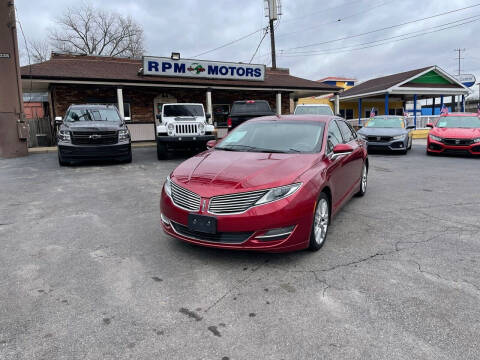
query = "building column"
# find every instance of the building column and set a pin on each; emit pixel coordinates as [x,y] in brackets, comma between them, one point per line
[337,105]
[386,104]
[415,110]
[120,102]
[209,105]
[441,102]
[359,112]
[433,106]
[463,103]
[279,103]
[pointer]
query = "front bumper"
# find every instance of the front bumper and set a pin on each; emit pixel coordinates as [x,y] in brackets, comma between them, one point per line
[438,147]
[395,145]
[185,139]
[69,152]
[240,231]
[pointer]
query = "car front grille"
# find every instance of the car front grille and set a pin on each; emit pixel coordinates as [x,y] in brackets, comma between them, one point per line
[234,203]
[458,142]
[379,138]
[220,237]
[94,137]
[186,129]
[184,198]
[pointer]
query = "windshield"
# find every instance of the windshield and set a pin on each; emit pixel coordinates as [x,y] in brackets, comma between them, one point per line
[93,114]
[182,110]
[313,110]
[275,136]
[385,122]
[250,107]
[470,122]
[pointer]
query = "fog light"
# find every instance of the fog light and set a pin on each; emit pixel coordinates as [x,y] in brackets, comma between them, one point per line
[165,220]
[276,234]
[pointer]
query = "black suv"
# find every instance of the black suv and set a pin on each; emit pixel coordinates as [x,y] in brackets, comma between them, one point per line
[93,132]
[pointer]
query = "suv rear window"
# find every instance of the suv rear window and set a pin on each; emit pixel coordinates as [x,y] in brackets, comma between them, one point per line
[251,107]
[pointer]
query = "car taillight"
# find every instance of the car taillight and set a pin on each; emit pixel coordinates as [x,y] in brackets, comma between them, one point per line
[250,101]
[229,122]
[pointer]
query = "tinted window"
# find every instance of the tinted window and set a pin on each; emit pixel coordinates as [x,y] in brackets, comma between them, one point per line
[313,110]
[183,110]
[345,130]
[250,107]
[93,114]
[354,133]
[275,136]
[334,136]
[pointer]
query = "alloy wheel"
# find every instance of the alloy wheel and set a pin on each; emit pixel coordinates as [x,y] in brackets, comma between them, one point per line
[364,179]
[321,221]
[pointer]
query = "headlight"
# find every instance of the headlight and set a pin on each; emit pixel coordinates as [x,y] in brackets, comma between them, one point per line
[398,137]
[436,138]
[170,127]
[64,135]
[124,134]
[168,186]
[278,193]
[476,140]
[201,128]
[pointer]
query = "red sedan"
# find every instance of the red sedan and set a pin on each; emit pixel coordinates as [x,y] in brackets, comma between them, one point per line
[273,184]
[455,133]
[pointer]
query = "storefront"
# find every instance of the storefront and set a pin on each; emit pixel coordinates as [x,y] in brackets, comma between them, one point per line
[140,87]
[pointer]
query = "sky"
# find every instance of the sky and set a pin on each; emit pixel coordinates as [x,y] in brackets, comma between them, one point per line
[193,27]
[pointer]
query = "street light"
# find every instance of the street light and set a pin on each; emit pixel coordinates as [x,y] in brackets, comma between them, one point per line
[175,56]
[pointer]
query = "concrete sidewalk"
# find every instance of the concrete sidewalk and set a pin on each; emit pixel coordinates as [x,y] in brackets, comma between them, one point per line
[49,149]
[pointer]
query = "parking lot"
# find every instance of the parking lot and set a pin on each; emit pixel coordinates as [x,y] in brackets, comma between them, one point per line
[87,272]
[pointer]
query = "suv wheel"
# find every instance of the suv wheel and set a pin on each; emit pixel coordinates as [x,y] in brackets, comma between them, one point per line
[162,151]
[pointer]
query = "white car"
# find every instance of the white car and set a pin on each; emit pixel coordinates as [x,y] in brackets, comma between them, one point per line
[313,109]
[182,125]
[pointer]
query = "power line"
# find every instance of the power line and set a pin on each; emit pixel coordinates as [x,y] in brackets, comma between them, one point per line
[331,50]
[384,28]
[371,46]
[322,11]
[229,43]
[260,43]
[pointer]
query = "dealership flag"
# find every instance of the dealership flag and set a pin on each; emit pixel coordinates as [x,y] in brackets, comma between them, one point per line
[478,109]
[444,110]
[372,112]
[405,113]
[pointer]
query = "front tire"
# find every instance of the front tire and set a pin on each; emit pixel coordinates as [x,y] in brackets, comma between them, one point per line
[162,151]
[363,181]
[321,220]
[62,162]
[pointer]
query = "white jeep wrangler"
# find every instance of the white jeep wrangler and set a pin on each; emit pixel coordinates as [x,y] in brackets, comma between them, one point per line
[182,125]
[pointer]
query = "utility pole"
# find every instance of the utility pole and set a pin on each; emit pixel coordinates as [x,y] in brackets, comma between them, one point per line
[273,7]
[13,129]
[459,71]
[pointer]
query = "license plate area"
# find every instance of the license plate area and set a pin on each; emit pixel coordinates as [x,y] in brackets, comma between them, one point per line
[202,223]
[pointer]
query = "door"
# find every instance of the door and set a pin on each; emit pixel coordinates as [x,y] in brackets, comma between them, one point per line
[352,162]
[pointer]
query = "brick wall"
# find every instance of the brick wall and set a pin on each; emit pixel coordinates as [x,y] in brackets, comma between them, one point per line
[141,99]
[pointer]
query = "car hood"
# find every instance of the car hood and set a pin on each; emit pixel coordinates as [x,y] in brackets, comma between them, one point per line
[217,172]
[457,133]
[382,131]
[92,125]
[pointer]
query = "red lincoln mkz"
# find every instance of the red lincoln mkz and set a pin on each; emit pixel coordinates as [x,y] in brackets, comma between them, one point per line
[455,133]
[273,184]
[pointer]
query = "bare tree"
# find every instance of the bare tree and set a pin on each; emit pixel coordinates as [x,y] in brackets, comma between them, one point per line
[39,50]
[90,31]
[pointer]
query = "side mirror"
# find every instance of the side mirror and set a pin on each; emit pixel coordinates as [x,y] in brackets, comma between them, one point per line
[429,125]
[411,127]
[58,120]
[159,117]
[208,116]
[341,149]
[211,143]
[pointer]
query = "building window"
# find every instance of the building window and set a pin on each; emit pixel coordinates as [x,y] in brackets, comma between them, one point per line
[342,113]
[349,114]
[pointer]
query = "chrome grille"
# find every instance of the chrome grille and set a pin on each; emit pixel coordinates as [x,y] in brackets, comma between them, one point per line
[234,203]
[186,129]
[184,198]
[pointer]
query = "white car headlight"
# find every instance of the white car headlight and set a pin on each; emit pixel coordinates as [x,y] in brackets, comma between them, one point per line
[436,138]
[170,127]
[278,193]
[398,137]
[64,135]
[123,134]
[168,186]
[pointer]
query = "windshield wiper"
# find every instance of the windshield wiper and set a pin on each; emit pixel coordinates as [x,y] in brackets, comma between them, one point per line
[233,147]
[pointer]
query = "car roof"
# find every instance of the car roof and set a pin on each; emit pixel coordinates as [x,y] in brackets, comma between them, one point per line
[91,106]
[319,118]
[460,114]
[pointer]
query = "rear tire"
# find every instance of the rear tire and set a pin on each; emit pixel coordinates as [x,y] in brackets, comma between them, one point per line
[162,151]
[363,181]
[321,221]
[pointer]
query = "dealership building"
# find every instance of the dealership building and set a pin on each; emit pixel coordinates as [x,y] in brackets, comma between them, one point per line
[140,87]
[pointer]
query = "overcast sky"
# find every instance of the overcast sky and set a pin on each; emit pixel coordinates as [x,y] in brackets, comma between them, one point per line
[193,26]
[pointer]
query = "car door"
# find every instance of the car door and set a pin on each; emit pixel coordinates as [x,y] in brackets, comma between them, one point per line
[352,162]
[335,170]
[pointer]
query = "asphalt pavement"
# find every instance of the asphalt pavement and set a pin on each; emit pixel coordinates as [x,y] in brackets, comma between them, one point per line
[87,272]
